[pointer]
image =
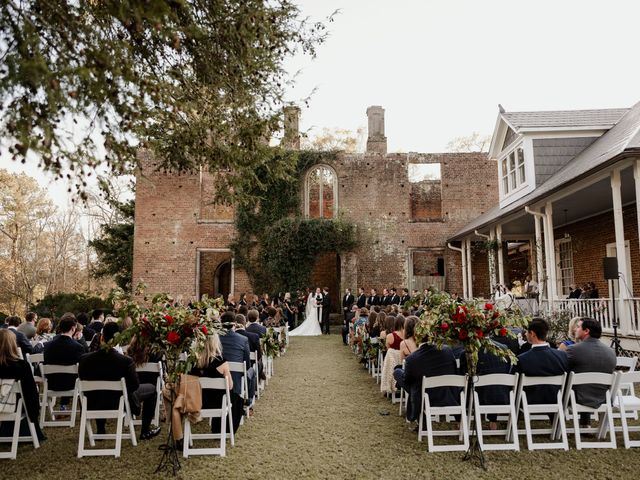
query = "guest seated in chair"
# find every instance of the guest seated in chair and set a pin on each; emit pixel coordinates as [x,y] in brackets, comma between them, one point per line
[108,365]
[13,367]
[408,345]
[427,361]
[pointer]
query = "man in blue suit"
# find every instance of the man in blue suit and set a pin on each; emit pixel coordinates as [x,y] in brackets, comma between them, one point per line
[235,348]
[427,361]
[541,361]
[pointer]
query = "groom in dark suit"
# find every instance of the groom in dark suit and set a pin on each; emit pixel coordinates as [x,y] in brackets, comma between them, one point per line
[326,307]
[347,301]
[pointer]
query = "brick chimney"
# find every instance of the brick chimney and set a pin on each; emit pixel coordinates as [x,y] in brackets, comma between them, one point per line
[376,141]
[291,138]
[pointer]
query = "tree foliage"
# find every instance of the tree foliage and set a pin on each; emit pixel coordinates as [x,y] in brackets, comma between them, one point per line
[335,139]
[56,305]
[274,244]
[198,82]
[114,245]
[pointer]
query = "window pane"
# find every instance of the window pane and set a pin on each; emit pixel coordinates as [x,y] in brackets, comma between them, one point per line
[505,183]
[521,169]
[513,179]
[504,166]
[512,161]
[520,156]
[328,182]
[314,193]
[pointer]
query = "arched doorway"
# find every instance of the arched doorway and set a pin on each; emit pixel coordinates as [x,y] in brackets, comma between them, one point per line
[222,279]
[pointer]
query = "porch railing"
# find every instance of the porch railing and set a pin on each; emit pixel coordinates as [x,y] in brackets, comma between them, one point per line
[633,308]
[596,308]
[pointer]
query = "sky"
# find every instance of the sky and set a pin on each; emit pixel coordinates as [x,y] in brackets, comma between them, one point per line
[440,68]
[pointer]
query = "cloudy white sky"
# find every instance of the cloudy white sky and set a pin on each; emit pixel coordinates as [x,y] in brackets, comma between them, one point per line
[440,68]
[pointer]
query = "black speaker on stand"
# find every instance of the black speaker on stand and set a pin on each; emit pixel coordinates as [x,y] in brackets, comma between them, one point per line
[610,267]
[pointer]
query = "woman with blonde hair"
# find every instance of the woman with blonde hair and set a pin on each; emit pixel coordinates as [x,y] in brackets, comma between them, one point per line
[571,334]
[12,367]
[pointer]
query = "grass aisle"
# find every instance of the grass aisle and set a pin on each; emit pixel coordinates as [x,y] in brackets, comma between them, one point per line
[319,418]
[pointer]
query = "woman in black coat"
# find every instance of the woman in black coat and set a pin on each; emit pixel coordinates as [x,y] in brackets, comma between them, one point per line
[15,368]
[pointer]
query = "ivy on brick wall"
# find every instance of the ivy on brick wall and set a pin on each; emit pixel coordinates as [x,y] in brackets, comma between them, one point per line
[275,245]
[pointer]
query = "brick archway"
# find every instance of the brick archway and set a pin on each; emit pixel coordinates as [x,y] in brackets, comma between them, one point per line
[326,273]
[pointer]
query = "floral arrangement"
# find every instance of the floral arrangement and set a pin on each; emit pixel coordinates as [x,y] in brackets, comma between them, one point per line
[271,344]
[472,323]
[166,326]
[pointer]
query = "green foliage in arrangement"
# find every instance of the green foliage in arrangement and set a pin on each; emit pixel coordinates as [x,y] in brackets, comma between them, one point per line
[275,245]
[54,306]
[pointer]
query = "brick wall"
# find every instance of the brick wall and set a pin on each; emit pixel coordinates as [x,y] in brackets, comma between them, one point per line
[173,221]
[589,240]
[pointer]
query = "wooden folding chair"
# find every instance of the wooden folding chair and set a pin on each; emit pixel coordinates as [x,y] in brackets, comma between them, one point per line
[497,380]
[12,409]
[122,415]
[427,412]
[223,413]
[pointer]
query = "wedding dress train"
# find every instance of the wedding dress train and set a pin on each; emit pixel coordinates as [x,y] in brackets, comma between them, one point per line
[311,325]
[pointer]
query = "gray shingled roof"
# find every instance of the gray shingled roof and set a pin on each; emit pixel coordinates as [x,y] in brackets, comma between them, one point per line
[624,136]
[565,118]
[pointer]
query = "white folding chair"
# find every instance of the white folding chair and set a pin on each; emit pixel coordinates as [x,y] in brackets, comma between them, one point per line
[608,380]
[122,415]
[34,360]
[12,409]
[555,409]
[628,406]
[241,367]
[223,413]
[253,357]
[404,397]
[427,411]
[378,370]
[497,380]
[268,367]
[629,364]
[152,367]
[50,396]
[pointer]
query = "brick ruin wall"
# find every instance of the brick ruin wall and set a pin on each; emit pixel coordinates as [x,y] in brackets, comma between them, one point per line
[175,219]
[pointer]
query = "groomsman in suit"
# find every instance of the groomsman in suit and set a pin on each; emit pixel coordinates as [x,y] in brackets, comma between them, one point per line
[326,307]
[541,361]
[395,298]
[347,301]
[386,298]
[373,299]
[362,298]
[405,296]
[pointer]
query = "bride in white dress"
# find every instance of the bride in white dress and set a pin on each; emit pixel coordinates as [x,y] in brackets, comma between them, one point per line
[311,325]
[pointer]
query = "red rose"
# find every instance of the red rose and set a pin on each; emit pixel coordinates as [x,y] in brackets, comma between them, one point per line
[496,314]
[144,333]
[187,331]
[173,338]
[479,333]
[463,334]
[444,326]
[204,330]
[488,306]
[503,332]
[169,319]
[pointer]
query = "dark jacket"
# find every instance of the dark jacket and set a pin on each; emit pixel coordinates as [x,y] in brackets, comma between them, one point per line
[488,364]
[62,350]
[235,348]
[427,361]
[256,328]
[23,342]
[541,362]
[107,365]
[254,341]
[20,370]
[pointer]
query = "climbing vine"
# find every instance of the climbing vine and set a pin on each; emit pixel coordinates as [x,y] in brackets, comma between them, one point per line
[275,245]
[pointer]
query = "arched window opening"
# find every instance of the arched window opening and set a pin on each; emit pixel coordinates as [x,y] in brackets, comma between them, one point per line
[321,188]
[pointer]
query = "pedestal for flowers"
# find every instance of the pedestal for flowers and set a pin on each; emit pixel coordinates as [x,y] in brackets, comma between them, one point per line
[472,324]
[177,333]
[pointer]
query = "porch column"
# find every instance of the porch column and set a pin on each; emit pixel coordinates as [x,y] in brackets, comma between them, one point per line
[539,260]
[621,253]
[500,255]
[469,269]
[550,253]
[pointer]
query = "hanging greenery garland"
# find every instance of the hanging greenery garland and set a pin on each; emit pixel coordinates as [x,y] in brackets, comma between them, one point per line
[275,245]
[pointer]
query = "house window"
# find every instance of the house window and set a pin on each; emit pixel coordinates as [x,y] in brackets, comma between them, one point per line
[513,170]
[565,265]
[321,189]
